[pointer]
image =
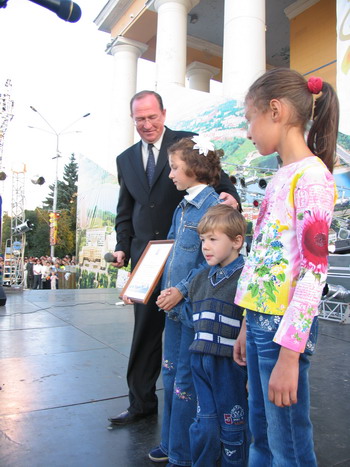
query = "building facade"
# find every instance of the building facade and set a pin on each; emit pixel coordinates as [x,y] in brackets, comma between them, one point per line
[230,41]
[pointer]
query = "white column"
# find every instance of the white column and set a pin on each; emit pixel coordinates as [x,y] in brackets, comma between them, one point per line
[172,41]
[199,75]
[244,57]
[126,53]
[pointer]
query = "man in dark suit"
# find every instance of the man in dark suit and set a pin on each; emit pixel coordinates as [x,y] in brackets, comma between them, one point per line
[147,200]
[30,273]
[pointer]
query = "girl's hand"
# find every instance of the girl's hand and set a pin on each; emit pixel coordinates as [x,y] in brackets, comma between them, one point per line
[239,349]
[283,384]
[169,298]
[127,300]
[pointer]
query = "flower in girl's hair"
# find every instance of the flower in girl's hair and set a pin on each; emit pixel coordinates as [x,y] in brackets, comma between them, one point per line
[315,241]
[203,144]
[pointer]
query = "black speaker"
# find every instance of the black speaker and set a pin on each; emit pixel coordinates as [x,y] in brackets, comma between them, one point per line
[2,297]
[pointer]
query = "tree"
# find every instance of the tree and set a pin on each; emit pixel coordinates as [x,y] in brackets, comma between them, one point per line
[48,203]
[66,235]
[66,189]
[5,230]
[66,207]
[38,239]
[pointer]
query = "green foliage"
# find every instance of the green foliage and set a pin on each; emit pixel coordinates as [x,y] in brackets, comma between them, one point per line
[102,281]
[66,236]
[38,239]
[112,271]
[86,280]
[236,150]
[101,218]
[5,230]
[67,208]
[344,141]
[66,189]
[230,146]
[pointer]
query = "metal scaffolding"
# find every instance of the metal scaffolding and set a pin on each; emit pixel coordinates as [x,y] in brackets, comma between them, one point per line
[6,114]
[14,254]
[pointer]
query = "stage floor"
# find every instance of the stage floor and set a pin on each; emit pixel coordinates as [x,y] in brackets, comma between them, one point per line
[63,360]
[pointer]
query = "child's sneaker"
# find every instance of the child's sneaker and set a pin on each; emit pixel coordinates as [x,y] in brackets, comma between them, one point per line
[157,455]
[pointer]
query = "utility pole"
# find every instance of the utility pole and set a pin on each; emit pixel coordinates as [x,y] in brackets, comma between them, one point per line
[54,214]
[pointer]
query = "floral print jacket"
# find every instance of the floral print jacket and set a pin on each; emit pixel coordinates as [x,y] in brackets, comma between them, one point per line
[287,266]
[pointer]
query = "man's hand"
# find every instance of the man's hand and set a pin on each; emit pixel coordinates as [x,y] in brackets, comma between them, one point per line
[283,384]
[169,298]
[229,200]
[239,349]
[119,259]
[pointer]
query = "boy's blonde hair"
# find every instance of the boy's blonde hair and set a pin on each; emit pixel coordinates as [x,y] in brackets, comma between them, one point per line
[225,219]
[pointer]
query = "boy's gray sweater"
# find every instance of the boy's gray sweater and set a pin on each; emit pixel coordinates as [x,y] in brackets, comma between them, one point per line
[217,320]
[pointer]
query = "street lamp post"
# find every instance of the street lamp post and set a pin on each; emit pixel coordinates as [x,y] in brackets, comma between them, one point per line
[57,134]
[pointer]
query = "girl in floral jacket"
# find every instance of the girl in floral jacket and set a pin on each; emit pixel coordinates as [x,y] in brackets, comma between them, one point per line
[282,281]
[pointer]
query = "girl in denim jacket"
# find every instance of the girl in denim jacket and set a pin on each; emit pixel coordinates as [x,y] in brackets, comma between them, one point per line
[195,166]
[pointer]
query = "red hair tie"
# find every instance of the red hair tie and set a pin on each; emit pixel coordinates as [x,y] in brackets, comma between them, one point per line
[315,84]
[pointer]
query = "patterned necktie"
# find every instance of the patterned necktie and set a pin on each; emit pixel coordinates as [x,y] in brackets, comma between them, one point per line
[151,164]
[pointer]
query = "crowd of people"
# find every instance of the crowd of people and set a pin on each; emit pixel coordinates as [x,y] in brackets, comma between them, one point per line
[229,320]
[42,273]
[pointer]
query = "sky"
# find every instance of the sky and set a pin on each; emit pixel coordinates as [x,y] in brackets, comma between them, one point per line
[63,71]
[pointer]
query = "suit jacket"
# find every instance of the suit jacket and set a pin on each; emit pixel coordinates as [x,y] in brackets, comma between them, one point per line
[144,213]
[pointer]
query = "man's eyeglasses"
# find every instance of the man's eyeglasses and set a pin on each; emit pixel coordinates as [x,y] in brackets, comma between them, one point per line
[140,121]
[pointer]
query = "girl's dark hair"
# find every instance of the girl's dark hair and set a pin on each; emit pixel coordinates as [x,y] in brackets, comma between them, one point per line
[284,83]
[206,169]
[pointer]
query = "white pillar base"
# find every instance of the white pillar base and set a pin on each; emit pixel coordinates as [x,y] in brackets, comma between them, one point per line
[199,75]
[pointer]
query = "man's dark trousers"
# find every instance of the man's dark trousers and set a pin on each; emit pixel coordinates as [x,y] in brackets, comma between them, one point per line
[145,361]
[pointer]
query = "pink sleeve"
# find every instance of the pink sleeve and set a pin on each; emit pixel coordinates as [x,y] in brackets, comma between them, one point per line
[314,198]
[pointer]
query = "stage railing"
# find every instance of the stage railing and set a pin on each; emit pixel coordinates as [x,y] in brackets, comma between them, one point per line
[335,311]
[335,304]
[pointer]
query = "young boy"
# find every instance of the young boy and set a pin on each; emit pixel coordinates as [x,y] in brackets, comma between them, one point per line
[220,430]
[54,280]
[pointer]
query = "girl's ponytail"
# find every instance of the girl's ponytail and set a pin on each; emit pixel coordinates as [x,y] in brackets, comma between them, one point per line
[322,137]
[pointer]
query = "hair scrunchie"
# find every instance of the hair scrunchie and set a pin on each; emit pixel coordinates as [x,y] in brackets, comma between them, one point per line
[315,84]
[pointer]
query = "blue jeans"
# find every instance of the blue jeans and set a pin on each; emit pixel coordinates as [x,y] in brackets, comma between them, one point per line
[220,431]
[180,398]
[282,437]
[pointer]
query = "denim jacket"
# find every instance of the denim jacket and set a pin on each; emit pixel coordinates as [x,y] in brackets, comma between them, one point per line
[186,253]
